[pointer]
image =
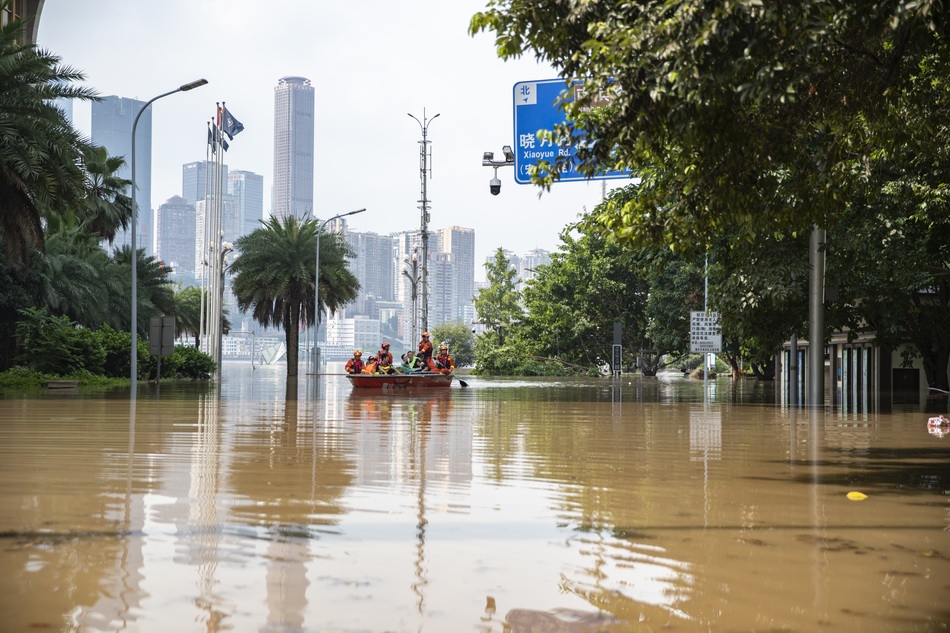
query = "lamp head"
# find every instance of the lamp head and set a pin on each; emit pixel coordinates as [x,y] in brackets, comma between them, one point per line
[197,83]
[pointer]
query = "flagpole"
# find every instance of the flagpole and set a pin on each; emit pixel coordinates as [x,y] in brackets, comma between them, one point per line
[202,249]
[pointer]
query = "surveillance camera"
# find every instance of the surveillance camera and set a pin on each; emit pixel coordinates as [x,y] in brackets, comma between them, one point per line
[494,185]
[509,155]
[487,158]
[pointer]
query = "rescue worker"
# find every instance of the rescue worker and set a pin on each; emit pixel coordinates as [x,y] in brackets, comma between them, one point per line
[425,348]
[384,360]
[444,361]
[355,365]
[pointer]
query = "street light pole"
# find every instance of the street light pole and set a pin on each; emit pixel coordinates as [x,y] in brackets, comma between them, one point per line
[134,355]
[315,357]
[423,170]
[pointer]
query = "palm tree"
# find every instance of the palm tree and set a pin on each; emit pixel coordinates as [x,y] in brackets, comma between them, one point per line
[156,294]
[188,312]
[107,208]
[40,151]
[274,276]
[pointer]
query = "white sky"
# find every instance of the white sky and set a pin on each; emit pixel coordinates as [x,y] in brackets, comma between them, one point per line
[370,61]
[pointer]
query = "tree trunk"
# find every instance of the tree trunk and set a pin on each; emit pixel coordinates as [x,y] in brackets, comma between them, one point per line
[293,337]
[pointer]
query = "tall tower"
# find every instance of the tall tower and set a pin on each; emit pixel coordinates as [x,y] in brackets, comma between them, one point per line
[248,190]
[293,148]
[460,243]
[175,235]
[112,120]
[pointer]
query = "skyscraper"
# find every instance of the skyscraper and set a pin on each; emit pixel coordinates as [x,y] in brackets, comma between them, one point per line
[374,267]
[248,190]
[175,235]
[460,243]
[293,148]
[193,179]
[112,120]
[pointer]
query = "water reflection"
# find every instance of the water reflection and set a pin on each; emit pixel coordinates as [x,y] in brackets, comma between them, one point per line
[511,505]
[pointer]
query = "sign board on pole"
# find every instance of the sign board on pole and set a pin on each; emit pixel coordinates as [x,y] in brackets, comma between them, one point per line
[536,108]
[161,336]
[617,364]
[705,335]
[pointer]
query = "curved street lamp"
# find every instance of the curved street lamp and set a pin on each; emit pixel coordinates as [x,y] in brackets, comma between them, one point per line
[135,299]
[315,357]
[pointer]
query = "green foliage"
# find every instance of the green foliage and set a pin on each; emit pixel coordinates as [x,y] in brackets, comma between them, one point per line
[40,151]
[56,345]
[742,117]
[499,311]
[187,362]
[275,276]
[459,339]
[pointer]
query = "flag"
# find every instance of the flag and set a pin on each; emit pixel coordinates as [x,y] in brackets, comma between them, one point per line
[211,139]
[232,127]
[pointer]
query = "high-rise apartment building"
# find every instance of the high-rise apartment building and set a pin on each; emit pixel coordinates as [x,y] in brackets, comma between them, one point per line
[459,242]
[194,180]
[112,120]
[175,235]
[528,265]
[374,267]
[293,148]
[248,191]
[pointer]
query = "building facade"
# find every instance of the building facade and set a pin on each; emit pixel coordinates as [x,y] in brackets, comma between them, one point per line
[175,235]
[374,267]
[112,120]
[292,192]
[248,191]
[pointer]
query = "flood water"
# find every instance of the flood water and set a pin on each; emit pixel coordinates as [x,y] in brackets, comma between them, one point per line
[506,506]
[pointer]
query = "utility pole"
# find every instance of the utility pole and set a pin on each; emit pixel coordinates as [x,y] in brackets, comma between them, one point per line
[413,281]
[425,171]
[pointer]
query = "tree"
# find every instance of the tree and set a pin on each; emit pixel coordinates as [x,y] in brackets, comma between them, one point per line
[749,123]
[573,302]
[40,151]
[749,117]
[499,310]
[458,337]
[107,208]
[188,312]
[274,277]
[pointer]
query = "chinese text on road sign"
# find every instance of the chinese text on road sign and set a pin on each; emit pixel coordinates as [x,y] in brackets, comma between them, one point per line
[705,335]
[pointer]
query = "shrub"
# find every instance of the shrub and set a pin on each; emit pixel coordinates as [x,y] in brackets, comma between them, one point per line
[55,345]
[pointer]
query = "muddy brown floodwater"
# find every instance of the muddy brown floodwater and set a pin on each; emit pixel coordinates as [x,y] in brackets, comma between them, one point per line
[509,506]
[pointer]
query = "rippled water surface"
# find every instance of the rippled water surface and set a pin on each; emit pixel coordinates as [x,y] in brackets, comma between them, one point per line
[509,505]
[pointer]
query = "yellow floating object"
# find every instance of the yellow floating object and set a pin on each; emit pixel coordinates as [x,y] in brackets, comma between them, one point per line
[857,496]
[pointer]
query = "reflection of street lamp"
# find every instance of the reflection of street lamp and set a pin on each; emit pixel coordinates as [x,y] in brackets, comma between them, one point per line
[135,298]
[414,281]
[315,358]
[423,169]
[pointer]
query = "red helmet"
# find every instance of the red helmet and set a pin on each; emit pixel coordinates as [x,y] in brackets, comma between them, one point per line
[385,345]
[443,347]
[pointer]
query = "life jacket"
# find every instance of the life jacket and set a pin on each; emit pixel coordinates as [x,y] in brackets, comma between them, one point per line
[445,363]
[354,365]
[425,349]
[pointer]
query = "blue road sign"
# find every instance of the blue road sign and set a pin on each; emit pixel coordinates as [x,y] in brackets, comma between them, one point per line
[535,109]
